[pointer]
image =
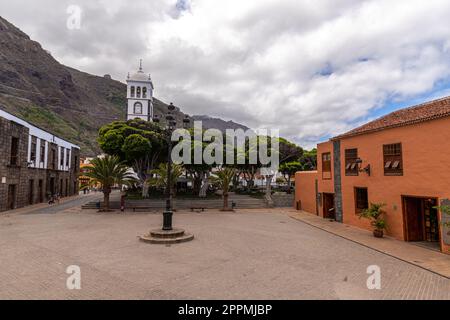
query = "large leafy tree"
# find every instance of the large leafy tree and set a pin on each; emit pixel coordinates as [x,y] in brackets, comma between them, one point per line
[288,169]
[198,173]
[249,168]
[309,160]
[108,172]
[289,151]
[138,143]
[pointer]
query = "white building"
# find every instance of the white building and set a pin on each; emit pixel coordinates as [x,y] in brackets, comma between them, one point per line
[38,149]
[140,95]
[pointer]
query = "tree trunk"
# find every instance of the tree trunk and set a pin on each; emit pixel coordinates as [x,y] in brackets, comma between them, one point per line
[289,184]
[145,189]
[197,183]
[236,181]
[268,194]
[204,188]
[174,191]
[106,199]
[225,202]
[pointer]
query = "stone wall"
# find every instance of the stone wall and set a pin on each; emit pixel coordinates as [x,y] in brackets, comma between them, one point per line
[30,185]
[283,200]
[337,180]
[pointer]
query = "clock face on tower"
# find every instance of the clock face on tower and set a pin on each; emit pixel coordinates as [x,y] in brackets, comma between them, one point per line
[138,108]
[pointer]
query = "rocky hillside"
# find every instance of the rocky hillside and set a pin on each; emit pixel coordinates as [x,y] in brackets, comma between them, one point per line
[65,101]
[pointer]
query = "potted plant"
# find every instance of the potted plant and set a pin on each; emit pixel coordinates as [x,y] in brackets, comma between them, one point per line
[375,213]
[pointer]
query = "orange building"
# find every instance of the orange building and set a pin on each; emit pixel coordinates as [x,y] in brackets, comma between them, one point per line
[85,182]
[401,160]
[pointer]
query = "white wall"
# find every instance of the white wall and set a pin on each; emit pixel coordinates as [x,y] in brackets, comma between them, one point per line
[41,135]
[147,105]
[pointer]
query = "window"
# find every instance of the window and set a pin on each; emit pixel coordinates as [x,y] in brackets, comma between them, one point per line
[61,159]
[393,162]
[67,157]
[326,165]
[361,199]
[138,92]
[42,156]
[14,159]
[144,92]
[138,108]
[132,92]
[33,152]
[351,167]
[53,162]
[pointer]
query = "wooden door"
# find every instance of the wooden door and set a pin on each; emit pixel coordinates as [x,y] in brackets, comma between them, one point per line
[414,219]
[31,192]
[52,186]
[328,206]
[11,197]
[41,191]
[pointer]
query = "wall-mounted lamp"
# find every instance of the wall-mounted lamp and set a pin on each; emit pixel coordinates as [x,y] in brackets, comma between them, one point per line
[366,169]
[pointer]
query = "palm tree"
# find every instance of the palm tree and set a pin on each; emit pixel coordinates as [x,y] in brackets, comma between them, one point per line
[160,179]
[223,179]
[109,171]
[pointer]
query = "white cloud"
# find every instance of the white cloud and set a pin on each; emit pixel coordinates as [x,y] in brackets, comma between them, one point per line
[310,68]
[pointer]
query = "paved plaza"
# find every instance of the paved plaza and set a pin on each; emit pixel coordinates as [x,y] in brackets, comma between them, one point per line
[252,254]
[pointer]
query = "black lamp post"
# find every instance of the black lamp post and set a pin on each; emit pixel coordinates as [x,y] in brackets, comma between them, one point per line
[170,127]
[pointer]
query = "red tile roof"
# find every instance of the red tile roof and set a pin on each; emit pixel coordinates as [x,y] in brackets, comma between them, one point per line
[424,112]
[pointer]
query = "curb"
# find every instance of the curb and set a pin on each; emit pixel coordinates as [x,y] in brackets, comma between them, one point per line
[369,247]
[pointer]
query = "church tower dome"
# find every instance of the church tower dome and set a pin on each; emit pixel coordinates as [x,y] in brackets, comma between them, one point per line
[140,95]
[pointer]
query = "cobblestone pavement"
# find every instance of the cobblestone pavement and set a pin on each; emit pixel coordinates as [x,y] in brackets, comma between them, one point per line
[251,255]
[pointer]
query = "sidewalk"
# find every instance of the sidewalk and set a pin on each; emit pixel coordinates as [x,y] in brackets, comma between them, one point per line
[424,258]
[45,205]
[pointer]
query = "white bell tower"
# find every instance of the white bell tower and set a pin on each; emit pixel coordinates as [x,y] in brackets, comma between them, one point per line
[140,95]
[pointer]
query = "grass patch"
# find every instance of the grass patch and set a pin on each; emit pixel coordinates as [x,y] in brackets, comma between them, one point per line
[49,120]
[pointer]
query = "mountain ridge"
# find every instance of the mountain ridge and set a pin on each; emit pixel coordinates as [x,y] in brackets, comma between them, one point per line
[65,101]
[209,122]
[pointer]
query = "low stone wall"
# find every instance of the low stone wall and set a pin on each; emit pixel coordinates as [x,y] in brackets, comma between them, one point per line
[240,202]
[283,200]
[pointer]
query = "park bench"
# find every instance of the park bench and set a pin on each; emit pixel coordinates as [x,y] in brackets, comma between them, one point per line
[140,205]
[142,208]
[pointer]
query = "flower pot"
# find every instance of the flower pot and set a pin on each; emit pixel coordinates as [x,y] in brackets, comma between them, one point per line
[378,233]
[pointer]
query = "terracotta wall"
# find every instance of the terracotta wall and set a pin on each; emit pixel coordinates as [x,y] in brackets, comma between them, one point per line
[325,181]
[426,171]
[305,190]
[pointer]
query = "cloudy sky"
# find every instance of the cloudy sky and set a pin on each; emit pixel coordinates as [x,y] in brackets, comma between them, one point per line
[312,68]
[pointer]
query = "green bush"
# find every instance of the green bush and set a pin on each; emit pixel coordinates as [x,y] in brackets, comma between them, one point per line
[375,213]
